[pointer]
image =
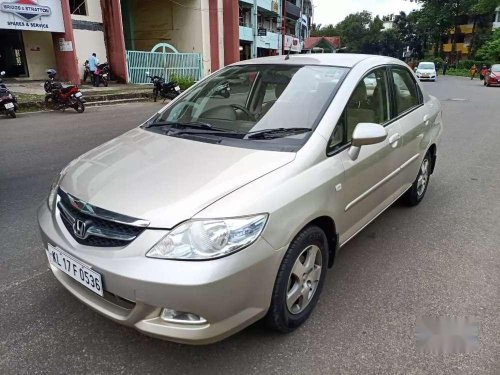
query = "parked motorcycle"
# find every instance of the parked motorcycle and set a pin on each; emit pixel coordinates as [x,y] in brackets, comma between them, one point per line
[169,90]
[102,74]
[8,102]
[86,70]
[59,97]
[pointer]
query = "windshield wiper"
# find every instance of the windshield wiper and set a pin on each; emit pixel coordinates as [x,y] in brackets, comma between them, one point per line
[181,125]
[277,133]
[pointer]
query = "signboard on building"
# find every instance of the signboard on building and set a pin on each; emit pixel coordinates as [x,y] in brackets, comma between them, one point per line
[42,15]
[262,32]
[275,7]
[292,43]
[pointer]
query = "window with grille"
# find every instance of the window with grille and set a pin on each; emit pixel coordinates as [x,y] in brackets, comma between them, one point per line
[78,7]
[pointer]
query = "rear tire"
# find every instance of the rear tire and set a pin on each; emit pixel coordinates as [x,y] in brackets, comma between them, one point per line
[49,102]
[416,193]
[299,281]
[155,94]
[12,113]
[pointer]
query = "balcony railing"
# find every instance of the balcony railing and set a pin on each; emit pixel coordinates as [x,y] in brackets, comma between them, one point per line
[461,47]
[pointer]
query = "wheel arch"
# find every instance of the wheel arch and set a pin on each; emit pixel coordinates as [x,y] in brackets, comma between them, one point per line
[433,153]
[327,225]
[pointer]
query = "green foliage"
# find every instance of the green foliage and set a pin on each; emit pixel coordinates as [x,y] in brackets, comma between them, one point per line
[183,82]
[491,48]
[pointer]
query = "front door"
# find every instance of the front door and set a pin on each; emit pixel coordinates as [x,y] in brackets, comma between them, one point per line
[369,181]
[12,58]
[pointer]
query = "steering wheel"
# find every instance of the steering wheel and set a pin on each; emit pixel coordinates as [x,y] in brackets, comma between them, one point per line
[244,110]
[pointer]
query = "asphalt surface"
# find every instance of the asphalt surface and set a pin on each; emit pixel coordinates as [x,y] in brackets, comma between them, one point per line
[438,259]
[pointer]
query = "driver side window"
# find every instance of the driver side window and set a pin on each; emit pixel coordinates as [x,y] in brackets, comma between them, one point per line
[369,102]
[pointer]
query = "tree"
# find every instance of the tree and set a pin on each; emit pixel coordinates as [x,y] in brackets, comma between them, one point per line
[490,51]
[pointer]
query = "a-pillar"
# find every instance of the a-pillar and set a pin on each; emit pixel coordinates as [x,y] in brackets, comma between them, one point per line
[231,32]
[64,47]
[115,40]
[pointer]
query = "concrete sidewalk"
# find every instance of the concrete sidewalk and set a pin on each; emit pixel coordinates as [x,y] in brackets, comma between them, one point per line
[31,94]
[36,87]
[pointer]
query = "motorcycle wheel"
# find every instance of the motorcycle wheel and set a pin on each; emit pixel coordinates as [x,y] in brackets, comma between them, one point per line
[12,113]
[85,75]
[79,106]
[49,102]
[105,82]
[155,95]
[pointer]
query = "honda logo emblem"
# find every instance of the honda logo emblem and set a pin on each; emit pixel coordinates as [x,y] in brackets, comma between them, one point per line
[80,229]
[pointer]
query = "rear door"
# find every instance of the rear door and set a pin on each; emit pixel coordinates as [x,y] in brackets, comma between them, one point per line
[369,180]
[413,118]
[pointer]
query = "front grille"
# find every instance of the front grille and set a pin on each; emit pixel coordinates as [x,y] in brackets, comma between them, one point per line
[97,231]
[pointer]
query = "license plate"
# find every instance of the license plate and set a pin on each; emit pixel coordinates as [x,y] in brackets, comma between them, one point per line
[177,88]
[78,94]
[9,105]
[75,269]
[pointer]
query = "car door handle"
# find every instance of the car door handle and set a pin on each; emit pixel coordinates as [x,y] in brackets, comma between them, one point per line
[394,140]
[426,120]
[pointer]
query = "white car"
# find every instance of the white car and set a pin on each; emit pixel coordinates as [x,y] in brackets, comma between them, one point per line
[248,196]
[426,71]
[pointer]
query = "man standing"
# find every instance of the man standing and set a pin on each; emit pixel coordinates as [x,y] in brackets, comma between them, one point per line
[445,66]
[93,62]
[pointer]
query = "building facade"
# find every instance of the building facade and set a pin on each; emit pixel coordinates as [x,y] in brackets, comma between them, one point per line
[41,34]
[273,27]
[35,35]
[465,35]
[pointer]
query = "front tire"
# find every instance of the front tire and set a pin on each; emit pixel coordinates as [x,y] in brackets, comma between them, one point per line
[79,106]
[416,193]
[300,280]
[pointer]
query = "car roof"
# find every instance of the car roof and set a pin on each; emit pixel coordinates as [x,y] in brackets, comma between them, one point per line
[426,62]
[347,60]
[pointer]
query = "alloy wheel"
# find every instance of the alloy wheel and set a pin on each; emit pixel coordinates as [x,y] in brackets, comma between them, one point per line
[304,279]
[423,177]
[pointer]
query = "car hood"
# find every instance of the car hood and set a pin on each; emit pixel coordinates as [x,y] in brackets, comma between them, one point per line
[163,179]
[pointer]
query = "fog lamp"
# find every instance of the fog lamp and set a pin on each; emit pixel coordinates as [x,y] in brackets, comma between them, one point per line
[181,317]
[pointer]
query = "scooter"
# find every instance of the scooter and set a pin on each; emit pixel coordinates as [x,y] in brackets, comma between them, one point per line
[59,97]
[8,102]
[169,90]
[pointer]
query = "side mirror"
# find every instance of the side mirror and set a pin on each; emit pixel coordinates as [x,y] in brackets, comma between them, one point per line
[366,134]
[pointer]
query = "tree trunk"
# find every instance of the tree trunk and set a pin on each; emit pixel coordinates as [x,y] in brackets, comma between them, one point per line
[473,39]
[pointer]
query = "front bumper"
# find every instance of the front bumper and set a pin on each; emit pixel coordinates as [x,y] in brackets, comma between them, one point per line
[230,293]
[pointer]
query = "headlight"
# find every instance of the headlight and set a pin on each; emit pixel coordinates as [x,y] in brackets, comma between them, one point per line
[209,239]
[53,190]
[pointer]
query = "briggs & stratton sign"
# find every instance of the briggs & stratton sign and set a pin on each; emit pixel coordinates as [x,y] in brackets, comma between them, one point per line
[43,15]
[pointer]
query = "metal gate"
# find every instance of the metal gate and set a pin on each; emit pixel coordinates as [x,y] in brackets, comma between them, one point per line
[163,64]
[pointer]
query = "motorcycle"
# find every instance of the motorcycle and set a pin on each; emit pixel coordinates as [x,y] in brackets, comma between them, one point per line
[59,97]
[102,74]
[8,102]
[169,90]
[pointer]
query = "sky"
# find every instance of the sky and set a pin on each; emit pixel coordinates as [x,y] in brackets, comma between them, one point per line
[333,11]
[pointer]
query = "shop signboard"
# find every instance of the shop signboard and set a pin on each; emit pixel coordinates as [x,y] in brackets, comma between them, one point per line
[42,15]
[292,43]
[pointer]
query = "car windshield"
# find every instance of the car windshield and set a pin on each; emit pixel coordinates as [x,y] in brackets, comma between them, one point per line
[428,66]
[256,106]
[495,68]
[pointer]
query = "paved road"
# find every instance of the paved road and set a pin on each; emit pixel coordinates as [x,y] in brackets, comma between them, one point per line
[440,258]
